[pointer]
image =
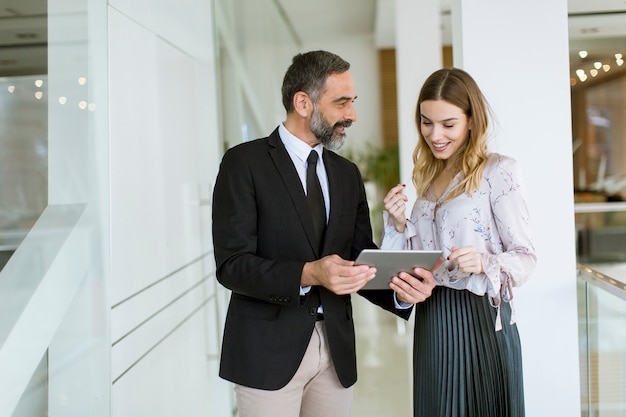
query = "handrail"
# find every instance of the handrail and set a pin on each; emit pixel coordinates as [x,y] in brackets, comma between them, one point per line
[612,285]
[599,207]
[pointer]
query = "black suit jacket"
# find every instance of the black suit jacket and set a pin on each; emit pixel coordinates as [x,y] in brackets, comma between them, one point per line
[263,235]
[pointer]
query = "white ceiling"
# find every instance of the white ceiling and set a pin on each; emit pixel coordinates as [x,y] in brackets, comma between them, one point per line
[596,25]
[328,19]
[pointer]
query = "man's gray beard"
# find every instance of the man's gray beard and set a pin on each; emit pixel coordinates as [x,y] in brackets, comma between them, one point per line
[334,144]
[325,133]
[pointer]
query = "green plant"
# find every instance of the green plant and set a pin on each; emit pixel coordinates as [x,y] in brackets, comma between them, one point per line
[378,165]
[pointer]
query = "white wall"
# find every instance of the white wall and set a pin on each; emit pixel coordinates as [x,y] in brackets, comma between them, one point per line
[415,61]
[165,312]
[362,55]
[532,106]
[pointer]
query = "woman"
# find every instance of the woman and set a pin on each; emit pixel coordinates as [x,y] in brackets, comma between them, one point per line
[471,204]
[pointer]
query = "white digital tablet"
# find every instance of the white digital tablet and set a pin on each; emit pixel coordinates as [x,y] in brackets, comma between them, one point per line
[390,263]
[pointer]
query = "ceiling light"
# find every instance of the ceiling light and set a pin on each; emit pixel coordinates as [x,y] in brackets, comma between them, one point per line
[597,65]
[618,56]
[593,72]
[619,62]
[606,67]
[580,72]
[582,54]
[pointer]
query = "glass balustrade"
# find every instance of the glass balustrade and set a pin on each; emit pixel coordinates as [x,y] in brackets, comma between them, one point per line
[602,330]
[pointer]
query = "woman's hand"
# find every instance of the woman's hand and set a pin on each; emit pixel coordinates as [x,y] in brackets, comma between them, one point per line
[395,204]
[415,288]
[468,259]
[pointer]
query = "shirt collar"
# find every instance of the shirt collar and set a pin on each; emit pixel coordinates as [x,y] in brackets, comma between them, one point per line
[297,146]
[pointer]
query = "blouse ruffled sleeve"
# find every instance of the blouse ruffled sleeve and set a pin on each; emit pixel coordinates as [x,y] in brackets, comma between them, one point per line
[516,260]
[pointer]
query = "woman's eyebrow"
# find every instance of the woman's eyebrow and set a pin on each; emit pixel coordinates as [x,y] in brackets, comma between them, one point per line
[450,119]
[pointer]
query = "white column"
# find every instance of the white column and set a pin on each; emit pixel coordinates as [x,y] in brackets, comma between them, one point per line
[418,54]
[518,53]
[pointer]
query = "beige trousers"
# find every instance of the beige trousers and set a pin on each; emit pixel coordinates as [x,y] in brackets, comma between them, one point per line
[314,391]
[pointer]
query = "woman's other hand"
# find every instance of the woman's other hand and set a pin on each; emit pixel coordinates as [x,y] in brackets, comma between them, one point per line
[395,204]
[468,259]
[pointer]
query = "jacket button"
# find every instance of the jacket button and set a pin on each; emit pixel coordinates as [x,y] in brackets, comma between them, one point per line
[313,311]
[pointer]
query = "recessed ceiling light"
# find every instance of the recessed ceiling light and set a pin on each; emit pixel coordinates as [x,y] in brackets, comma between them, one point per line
[582,54]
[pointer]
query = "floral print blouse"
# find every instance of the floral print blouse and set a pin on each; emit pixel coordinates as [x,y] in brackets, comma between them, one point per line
[494,219]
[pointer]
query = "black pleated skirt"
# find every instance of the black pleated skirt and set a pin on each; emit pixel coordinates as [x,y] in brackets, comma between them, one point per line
[463,367]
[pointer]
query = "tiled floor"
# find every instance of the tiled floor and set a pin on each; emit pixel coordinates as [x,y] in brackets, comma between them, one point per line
[384,349]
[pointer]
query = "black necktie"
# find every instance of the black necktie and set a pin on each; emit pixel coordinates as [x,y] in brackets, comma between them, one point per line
[315,198]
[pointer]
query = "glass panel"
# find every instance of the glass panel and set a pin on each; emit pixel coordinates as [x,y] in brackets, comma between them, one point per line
[24,155]
[601,231]
[602,329]
[34,402]
[24,158]
[54,206]
[254,43]
[599,131]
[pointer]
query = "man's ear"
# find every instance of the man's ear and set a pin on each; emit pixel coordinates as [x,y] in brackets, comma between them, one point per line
[302,104]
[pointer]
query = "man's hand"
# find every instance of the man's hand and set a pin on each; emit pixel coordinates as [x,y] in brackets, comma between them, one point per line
[336,274]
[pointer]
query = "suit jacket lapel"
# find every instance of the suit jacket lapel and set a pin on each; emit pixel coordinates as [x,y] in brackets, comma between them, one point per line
[289,175]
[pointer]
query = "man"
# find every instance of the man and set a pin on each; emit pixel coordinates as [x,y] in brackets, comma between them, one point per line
[289,337]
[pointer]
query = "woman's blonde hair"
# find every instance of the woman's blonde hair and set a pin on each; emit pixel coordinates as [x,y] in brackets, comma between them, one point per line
[458,88]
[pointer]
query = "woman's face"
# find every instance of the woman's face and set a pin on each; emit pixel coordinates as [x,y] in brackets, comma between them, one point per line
[444,126]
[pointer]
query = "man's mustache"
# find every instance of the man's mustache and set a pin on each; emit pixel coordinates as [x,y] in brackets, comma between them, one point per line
[344,123]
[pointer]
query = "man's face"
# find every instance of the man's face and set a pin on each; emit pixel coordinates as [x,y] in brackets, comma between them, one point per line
[335,111]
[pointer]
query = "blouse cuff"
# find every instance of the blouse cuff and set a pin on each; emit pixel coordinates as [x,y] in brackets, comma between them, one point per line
[393,239]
